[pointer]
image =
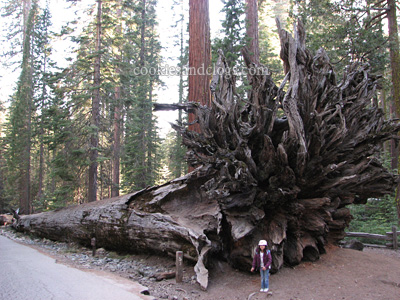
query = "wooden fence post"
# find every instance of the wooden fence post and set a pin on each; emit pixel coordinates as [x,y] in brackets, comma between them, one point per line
[179,266]
[394,236]
[93,243]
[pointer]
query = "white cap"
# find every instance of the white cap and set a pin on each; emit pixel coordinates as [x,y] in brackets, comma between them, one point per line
[262,243]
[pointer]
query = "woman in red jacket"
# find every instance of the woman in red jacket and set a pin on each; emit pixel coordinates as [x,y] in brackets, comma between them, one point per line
[262,261]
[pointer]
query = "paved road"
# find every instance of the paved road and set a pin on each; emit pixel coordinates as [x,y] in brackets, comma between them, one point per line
[26,274]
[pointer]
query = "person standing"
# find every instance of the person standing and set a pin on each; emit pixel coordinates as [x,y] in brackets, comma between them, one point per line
[262,261]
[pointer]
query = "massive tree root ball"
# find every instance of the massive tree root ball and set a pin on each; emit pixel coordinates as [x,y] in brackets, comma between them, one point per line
[285,179]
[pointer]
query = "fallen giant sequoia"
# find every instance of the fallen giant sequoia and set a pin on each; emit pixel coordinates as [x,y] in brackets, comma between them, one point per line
[285,179]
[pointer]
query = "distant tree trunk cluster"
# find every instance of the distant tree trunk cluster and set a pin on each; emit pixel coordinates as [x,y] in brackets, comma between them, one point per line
[282,165]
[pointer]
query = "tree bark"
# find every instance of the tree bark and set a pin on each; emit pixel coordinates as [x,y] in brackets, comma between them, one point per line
[94,139]
[252,30]
[395,66]
[26,94]
[287,180]
[178,158]
[26,7]
[199,56]
[117,118]
[141,181]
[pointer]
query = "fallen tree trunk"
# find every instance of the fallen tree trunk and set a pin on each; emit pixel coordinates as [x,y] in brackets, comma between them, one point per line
[285,179]
[163,219]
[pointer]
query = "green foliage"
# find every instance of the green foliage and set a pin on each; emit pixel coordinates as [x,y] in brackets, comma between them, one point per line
[173,163]
[232,41]
[268,36]
[377,216]
[18,138]
[233,33]
[140,154]
[173,166]
[59,126]
[347,30]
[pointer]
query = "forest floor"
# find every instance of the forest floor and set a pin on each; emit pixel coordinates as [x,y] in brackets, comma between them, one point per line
[339,274]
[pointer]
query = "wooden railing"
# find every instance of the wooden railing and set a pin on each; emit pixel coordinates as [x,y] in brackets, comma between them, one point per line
[390,237]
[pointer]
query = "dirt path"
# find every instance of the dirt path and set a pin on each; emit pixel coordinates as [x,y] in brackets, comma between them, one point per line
[373,274]
[340,274]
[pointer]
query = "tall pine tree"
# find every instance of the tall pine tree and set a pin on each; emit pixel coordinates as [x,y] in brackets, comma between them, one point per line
[19,132]
[141,58]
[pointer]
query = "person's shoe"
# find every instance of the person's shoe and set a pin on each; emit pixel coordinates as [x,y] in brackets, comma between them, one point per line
[265,290]
[262,290]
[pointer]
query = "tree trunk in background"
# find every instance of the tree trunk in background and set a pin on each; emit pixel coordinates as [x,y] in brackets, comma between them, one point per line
[25,95]
[395,66]
[26,7]
[179,170]
[117,145]
[394,148]
[39,194]
[44,95]
[94,139]
[117,116]
[141,180]
[199,56]
[252,30]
